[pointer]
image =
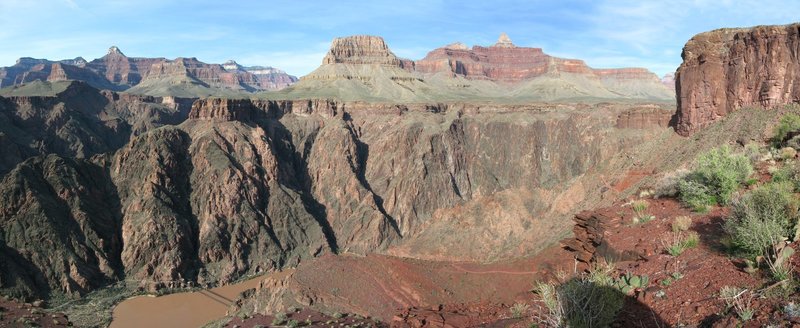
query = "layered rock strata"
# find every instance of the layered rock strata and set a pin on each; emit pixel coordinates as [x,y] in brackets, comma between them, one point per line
[729,69]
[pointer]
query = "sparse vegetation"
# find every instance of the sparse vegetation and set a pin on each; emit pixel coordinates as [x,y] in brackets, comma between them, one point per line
[277,321]
[518,310]
[739,300]
[681,223]
[718,174]
[667,186]
[788,173]
[337,315]
[678,242]
[292,324]
[779,265]
[640,212]
[590,300]
[788,123]
[787,153]
[762,218]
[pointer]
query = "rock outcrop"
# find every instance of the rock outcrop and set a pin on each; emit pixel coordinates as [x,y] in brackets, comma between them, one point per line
[59,228]
[360,50]
[730,69]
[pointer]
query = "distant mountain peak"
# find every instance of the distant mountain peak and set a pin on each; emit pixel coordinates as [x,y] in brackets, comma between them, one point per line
[114,50]
[457,46]
[232,65]
[504,41]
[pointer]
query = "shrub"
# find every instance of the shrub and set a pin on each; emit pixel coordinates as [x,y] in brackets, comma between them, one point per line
[788,173]
[277,321]
[753,152]
[722,171]
[788,153]
[667,186]
[518,310]
[587,301]
[681,223]
[338,315]
[696,195]
[788,123]
[292,324]
[718,174]
[762,218]
[739,300]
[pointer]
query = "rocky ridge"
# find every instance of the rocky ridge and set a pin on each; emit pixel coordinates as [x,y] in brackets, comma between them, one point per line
[118,72]
[364,68]
[729,69]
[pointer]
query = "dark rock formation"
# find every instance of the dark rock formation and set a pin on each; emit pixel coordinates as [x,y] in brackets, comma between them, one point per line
[729,69]
[79,121]
[59,228]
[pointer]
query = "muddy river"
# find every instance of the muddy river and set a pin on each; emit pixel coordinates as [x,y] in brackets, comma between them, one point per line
[191,309]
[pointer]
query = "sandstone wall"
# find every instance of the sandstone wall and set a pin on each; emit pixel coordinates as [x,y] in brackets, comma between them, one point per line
[730,69]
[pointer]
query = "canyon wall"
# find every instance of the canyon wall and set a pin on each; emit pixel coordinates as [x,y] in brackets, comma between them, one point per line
[247,186]
[729,69]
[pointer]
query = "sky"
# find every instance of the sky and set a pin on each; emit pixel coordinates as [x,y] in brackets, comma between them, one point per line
[295,35]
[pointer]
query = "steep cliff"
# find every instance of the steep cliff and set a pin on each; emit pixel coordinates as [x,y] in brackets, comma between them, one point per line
[59,228]
[729,69]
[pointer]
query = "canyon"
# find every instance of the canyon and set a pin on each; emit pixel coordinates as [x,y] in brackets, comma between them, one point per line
[375,185]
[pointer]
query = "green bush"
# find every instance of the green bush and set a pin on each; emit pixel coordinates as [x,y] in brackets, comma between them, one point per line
[762,218]
[718,174]
[696,195]
[789,173]
[789,122]
[588,301]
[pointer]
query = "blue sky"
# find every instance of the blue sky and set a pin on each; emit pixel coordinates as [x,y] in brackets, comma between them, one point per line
[294,35]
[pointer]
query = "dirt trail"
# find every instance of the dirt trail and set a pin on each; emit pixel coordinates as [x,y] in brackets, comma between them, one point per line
[459,268]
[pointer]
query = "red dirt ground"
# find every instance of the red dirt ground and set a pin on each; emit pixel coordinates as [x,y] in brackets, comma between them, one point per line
[414,293]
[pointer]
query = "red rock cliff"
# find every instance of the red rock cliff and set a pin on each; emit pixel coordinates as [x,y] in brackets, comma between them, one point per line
[728,69]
